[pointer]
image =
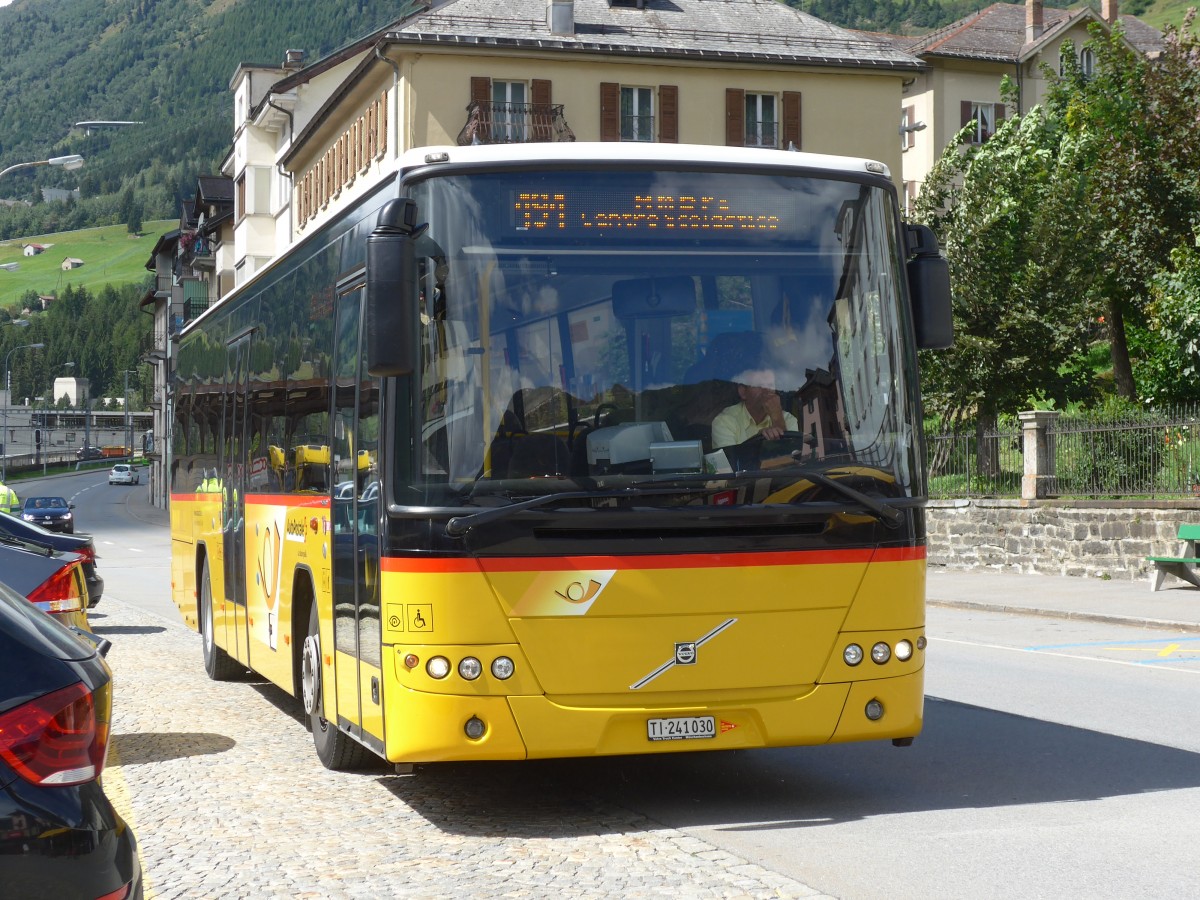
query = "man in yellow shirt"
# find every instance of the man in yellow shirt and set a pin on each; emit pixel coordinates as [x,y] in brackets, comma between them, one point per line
[758,412]
[8,500]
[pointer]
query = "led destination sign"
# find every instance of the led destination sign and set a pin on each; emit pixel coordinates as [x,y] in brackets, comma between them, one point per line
[544,211]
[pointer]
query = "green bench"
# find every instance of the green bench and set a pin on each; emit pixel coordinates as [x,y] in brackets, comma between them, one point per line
[1182,566]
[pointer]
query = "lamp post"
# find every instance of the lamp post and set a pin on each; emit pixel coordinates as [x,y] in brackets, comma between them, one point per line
[70,163]
[127,438]
[8,401]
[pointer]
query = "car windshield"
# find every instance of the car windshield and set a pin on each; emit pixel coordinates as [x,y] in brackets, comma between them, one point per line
[598,329]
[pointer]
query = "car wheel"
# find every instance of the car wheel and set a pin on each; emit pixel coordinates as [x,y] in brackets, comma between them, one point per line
[336,749]
[219,665]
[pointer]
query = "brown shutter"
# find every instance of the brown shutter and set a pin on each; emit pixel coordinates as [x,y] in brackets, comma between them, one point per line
[735,117]
[541,119]
[668,114]
[965,107]
[1000,110]
[481,90]
[610,111]
[791,120]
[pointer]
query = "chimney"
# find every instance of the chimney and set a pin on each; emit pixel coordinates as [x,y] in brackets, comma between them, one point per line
[1033,20]
[1110,11]
[293,60]
[560,16]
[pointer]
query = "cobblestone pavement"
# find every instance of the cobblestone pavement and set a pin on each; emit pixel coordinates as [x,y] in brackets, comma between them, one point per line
[227,798]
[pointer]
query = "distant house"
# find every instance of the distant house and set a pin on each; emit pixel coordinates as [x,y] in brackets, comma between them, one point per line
[45,300]
[34,249]
[71,263]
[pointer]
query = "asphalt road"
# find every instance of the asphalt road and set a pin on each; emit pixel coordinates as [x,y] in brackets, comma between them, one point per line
[1059,759]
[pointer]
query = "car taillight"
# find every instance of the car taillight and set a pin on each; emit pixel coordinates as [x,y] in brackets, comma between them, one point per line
[57,739]
[59,593]
[88,554]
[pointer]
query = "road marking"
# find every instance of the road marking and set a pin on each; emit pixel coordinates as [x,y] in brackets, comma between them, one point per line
[1142,664]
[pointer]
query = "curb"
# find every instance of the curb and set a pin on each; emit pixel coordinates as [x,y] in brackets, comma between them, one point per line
[1104,618]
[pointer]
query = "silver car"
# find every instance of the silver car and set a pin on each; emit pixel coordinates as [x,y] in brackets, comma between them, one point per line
[123,473]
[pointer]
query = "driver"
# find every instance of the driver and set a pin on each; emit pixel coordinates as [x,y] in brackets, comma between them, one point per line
[758,413]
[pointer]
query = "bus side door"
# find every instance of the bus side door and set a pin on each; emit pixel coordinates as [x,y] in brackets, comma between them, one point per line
[233,498]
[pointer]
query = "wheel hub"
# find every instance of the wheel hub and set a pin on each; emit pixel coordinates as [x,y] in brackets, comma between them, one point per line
[310,674]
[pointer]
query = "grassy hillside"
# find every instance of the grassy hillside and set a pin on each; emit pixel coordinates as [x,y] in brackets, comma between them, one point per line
[110,256]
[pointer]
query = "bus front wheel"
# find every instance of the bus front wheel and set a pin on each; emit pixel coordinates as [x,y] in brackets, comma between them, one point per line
[335,749]
[219,665]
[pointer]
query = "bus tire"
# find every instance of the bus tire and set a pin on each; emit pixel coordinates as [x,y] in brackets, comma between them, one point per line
[336,749]
[219,665]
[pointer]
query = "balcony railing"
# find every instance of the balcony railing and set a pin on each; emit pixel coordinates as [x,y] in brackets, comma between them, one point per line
[492,122]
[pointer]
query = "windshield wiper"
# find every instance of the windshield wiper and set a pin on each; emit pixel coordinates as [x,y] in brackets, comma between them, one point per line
[888,515]
[460,525]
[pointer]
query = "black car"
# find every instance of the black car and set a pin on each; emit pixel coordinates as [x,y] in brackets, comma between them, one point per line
[84,453]
[52,580]
[49,512]
[59,834]
[68,543]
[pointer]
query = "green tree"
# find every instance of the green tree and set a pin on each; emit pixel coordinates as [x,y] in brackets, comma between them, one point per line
[1008,216]
[1135,123]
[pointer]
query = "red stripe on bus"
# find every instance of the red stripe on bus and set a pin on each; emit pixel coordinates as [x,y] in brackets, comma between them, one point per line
[675,561]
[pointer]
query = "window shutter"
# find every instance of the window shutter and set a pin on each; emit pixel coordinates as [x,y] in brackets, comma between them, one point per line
[541,118]
[791,120]
[481,90]
[999,116]
[481,95]
[735,117]
[668,114]
[965,106]
[910,119]
[610,111]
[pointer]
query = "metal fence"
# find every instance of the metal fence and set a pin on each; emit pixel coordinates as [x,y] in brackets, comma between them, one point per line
[1153,454]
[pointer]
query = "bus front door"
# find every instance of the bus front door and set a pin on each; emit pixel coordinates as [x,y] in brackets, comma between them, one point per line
[355,513]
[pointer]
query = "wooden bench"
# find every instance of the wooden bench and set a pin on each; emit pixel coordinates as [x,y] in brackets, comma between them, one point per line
[1181,566]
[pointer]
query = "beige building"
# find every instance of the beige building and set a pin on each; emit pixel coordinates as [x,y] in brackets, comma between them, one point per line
[746,72]
[966,61]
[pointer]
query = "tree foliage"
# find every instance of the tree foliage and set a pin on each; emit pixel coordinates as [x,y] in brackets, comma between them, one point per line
[1009,219]
[1078,214]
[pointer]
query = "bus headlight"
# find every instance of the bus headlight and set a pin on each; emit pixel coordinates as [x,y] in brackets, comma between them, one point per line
[881,653]
[438,667]
[904,651]
[470,668]
[853,654]
[503,668]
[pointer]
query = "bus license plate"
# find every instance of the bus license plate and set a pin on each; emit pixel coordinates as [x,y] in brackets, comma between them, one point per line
[684,728]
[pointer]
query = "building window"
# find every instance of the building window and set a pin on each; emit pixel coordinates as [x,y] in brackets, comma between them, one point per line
[637,114]
[510,114]
[1087,62]
[240,199]
[762,123]
[986,118]
[908,127]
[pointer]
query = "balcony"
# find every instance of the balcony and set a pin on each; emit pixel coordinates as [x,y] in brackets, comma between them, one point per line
[493,122]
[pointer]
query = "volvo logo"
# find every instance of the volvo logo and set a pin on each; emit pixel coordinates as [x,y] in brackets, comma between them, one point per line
[685,653]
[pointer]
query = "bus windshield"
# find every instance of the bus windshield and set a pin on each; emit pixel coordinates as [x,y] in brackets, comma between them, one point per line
[589,329]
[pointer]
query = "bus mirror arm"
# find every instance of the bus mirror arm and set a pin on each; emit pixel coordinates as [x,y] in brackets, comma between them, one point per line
[392,299]
[929,289]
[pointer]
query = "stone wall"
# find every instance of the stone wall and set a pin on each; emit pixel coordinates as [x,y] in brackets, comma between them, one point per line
[1098,539]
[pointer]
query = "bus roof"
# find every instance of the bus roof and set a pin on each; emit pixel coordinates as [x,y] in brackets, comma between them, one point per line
[635,152]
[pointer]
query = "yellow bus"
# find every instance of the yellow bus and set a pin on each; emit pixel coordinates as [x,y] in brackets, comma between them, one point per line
[566,449]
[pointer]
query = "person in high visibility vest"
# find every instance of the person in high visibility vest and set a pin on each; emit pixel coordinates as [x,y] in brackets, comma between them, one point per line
[8,500]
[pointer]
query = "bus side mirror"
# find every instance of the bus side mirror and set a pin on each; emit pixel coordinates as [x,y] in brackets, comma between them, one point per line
[391,290]
[929,289]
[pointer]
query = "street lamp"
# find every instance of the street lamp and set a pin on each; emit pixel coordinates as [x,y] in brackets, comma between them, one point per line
[51,403]
[8,402]
[70,163]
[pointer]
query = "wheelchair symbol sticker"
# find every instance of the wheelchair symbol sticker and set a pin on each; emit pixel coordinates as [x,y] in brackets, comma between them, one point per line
[420,617]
